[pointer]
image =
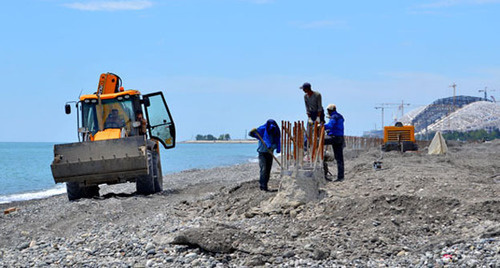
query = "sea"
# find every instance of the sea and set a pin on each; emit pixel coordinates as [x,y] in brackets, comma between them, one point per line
[25,166]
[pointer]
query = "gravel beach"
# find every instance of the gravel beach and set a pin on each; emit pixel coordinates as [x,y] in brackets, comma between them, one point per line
[418,210]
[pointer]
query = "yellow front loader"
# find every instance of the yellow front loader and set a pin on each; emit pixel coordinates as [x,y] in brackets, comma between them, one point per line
[119,132]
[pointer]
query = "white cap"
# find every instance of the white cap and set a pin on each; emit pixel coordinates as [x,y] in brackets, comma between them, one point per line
[331,107]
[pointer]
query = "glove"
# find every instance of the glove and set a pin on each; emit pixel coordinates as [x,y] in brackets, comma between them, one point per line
[253,132]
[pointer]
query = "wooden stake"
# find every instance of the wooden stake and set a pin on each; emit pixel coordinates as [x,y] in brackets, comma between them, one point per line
[283,147]
[308,147]
[302,143]
[321,137]
[322,143]
[315,141]
[288,142]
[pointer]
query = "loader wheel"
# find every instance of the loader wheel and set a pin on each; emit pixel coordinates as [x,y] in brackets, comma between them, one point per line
[145,184]
[91,191]
[76,192]
[73,190]
[158,177]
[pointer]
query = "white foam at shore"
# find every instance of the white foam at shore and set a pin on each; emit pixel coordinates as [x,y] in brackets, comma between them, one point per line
[253,160]
[59,189]
[256,159]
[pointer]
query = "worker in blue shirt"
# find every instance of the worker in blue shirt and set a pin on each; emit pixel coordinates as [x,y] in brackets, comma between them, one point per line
[335,137]
[269,140]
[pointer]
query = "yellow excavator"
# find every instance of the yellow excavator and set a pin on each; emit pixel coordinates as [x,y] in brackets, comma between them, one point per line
[119,133]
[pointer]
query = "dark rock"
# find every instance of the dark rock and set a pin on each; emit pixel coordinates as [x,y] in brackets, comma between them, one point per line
[319,254]
[255,261]
[289,254]
[217,239]
[23,245]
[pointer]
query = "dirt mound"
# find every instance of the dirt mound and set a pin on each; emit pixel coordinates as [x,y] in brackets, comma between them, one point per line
[415,204]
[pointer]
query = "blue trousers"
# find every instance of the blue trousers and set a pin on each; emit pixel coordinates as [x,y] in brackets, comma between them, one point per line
[265,164]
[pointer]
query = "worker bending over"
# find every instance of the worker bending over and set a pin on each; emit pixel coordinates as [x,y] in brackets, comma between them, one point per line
[269,140]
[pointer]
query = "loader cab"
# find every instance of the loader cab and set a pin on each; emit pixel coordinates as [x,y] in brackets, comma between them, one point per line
[111,114]
[114,116]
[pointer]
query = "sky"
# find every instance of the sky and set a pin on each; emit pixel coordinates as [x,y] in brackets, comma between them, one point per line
[226,66]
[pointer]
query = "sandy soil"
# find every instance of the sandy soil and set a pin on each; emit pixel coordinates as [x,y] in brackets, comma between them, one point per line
[418,210]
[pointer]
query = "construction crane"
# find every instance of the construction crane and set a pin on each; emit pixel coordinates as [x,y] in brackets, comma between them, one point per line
[402,107]
[383,106]
[485,92]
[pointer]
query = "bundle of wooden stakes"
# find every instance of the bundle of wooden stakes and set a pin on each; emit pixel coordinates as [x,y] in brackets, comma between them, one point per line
[302,146]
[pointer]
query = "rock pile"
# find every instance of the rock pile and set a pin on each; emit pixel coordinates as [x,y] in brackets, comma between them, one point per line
[296,188]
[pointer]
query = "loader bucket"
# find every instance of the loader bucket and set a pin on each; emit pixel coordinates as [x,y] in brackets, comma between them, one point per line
[96,162]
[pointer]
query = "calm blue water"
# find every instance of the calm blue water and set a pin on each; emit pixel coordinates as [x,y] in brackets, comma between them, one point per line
[25,167]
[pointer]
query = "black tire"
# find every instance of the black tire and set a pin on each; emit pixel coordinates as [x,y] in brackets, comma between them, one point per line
[145,184]
[391,146]
[409,146]
[73,190]
[91,191]
[158,177]
[76,192]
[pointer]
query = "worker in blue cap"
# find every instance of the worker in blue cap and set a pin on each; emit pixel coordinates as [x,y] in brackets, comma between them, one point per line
[312,100]
[269,140]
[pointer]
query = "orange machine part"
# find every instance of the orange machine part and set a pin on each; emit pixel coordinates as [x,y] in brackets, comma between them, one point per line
[395,134]
[108,83]
[130,92]
[107,134]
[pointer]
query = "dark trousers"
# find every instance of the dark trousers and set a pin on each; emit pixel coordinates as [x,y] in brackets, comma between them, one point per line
[314,115]
[337,144]
[265,164]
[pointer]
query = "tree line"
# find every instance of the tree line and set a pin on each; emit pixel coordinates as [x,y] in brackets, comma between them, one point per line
[210,137]
[473,135]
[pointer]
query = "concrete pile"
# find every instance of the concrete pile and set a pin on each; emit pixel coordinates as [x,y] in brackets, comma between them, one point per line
[296,188]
